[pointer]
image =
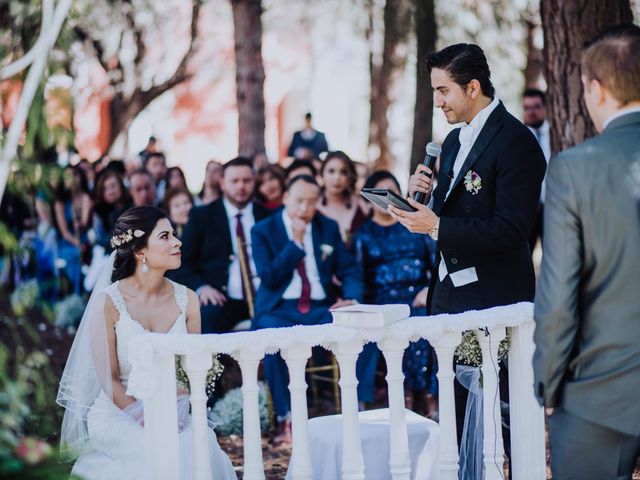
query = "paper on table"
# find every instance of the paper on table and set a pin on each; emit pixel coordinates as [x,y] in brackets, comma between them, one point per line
[370,316]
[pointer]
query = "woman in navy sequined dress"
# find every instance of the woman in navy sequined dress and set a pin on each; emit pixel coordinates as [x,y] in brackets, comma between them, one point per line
[397,266]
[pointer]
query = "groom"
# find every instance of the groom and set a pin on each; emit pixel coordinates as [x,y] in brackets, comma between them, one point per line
[484,205]
[587,311]
[297,253]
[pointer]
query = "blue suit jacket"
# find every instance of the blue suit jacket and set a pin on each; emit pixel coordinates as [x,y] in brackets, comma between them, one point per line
[276,258]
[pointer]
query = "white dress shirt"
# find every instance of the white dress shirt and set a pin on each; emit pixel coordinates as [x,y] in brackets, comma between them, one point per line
[234,287]
[543,136]
[294,290]
[468,135]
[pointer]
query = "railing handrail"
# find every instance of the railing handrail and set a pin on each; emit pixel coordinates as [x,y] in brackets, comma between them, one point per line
[270,340]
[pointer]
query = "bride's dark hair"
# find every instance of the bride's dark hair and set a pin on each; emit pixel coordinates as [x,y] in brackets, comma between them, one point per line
[131,222]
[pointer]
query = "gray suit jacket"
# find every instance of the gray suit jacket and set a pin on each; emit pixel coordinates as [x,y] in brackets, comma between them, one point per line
[587,307]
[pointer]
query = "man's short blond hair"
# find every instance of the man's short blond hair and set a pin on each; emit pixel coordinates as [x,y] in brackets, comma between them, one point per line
[613,59]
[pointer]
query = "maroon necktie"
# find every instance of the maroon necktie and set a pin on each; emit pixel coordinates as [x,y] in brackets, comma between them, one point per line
[304,302]
[243,251]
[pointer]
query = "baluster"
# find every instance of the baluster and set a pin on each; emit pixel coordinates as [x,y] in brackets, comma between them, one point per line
[161,422]
[296,358]
[352,460]
[399,460]
[252,442]
[445,346]
[492,444]
[196,366]
[528,455]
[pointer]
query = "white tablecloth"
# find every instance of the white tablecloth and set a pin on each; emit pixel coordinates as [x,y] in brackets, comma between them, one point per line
[325,434]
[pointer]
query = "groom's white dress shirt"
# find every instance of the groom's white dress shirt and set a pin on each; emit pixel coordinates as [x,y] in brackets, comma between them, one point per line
[468,135]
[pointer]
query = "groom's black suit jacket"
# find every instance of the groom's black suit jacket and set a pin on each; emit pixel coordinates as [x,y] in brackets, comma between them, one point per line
[206,245]
[489,230]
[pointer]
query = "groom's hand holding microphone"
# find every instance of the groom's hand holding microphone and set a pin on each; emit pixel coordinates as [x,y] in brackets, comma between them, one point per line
[423,220]
[421,183]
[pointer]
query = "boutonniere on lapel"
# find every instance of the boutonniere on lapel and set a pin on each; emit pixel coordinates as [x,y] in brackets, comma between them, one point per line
[472,182]
[326,250]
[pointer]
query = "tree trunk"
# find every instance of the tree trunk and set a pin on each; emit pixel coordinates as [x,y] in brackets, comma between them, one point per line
[249,75]
[567,25]
[125,107]
[535,60]
[426,35]
[397,17]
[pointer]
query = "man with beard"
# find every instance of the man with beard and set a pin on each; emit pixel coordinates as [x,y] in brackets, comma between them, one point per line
[213,240]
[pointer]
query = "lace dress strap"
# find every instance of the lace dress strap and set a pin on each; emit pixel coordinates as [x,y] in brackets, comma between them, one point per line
[181,297]
[117,298]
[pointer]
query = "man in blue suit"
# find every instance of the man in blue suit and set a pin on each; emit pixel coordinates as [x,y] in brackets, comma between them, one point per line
[297,253]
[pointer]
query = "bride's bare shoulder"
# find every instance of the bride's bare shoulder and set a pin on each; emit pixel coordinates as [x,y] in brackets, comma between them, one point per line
[109,309]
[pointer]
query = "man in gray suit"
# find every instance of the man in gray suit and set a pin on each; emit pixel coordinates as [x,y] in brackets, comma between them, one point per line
[587,308]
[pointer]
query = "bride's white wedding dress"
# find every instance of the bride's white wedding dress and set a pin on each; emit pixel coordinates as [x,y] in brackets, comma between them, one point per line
[115,448]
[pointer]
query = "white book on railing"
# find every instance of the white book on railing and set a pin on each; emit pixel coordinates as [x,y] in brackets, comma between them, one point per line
[370,316]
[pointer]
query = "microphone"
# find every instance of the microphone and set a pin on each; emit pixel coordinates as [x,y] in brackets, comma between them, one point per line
[433,152]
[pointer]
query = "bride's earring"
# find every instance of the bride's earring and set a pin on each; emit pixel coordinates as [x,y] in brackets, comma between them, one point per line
[145,269]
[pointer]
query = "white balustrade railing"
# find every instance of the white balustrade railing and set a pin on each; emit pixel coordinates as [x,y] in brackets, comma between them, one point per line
[153,379]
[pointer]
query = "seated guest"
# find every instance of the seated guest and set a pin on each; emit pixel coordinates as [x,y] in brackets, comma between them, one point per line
[214,241]
[396,265]
[142,188]
[339,201]
[270,186]
[46,237]
[174,178]
[300,167]
[297,252]
[110,195]
[89,172]
[178,203]
[156,165]
[211,186]
[72,208]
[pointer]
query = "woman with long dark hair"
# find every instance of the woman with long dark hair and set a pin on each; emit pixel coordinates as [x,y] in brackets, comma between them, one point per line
[270,186]
[338,202]
[110,195]
[174,178]
[103,422]
[211,187]
[72,212]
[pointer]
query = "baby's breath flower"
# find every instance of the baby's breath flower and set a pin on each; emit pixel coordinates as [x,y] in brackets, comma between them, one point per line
[470,353]
[212,375]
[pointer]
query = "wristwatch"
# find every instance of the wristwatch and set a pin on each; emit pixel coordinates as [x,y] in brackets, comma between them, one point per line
[433,233]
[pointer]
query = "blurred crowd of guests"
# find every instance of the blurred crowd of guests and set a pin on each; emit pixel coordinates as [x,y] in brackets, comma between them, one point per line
[239,272]
[68,230]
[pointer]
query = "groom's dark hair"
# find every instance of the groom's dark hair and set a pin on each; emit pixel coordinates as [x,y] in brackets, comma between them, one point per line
[463,62]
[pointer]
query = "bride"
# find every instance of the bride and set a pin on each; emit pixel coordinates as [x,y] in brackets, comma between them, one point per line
[103,425]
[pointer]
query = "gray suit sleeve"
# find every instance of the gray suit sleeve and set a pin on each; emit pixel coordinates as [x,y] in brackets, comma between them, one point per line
[556,305]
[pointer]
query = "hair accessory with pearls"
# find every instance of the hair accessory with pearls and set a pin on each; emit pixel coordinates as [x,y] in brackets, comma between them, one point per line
[125,237]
